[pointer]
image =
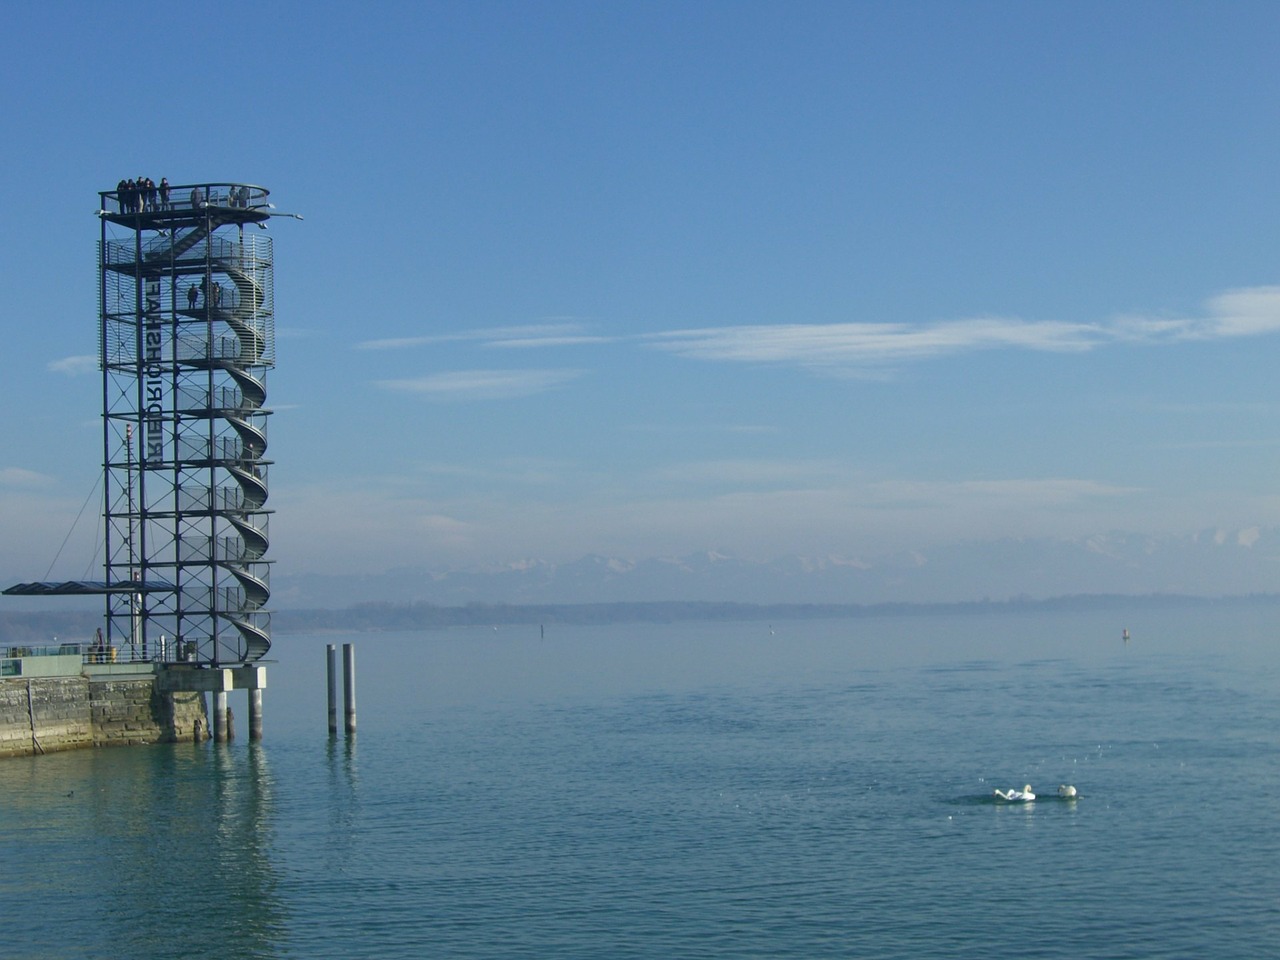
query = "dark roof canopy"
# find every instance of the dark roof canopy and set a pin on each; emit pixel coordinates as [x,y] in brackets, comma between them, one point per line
[81,588]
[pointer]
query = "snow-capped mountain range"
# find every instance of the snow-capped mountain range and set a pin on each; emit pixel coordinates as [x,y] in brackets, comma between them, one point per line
[1210,563]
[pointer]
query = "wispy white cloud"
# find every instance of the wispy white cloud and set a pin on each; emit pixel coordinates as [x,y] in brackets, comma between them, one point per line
[1039,492]
[405,343]
[873,343]
[1249,312]
[730,473]
[530,335]
[834,476]
[672,428]
[1253,311]
[299,333]
[74,366]
[18,477]
[482,384]
[517,343]
[868,349]
[516,471]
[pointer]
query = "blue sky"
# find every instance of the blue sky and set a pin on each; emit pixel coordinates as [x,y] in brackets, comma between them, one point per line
[651,278]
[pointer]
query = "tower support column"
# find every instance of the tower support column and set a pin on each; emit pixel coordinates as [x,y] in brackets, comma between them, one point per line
[220,716]
[255,714]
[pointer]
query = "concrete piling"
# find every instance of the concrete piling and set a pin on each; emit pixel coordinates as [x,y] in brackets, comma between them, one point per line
[219,716]
[255,714]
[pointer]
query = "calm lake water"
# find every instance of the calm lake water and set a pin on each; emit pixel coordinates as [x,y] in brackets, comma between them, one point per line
[810,789]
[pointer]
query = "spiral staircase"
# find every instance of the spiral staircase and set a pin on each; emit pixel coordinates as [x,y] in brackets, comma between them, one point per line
[186,369]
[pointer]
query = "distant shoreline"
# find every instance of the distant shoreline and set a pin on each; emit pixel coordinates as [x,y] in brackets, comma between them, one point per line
[38,626]
[374,617]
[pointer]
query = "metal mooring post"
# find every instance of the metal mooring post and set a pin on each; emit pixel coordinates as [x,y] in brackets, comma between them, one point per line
[349,684]
[332,653]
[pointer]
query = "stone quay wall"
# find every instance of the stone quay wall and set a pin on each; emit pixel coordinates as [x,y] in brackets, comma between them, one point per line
[46,714]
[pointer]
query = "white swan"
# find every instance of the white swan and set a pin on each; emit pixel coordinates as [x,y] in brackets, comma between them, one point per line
[1066,792]
[1015,796]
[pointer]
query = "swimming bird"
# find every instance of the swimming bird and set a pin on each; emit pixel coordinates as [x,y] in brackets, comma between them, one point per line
[1015,796]
[1067,792]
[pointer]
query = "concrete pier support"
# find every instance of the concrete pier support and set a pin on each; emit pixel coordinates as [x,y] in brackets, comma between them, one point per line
[220,716]
[220,681]
[349,684]
[255,714]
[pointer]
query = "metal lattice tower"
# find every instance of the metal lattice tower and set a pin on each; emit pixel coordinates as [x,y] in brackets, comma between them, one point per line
[187,337]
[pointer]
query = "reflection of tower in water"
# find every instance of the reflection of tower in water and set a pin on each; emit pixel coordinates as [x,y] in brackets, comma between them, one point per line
[182,827]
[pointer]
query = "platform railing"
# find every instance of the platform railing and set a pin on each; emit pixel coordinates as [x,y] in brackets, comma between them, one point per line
[184,196]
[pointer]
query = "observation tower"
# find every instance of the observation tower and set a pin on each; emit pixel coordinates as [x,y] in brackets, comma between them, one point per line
[187,335]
